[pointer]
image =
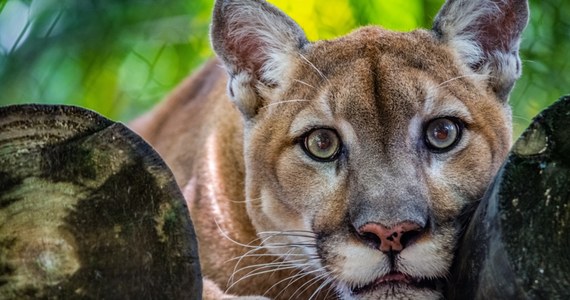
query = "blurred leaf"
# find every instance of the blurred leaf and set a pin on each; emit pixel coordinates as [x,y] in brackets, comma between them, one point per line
[317,20]
[404,16]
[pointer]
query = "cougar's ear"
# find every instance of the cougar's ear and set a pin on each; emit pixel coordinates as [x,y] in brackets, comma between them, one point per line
[256,42]
[486,34]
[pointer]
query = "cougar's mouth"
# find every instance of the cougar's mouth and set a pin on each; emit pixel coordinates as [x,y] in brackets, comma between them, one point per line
[395,279]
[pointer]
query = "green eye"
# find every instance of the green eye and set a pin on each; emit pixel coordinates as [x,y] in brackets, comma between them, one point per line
[442,134]
[322,144]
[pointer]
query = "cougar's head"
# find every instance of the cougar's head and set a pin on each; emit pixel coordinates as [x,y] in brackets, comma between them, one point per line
[361,152]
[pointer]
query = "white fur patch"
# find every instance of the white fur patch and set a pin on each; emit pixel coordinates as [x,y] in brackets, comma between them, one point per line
[424,259]
[359,264]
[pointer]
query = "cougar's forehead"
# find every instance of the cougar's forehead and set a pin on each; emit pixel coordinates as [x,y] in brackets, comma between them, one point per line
[418,50]
[398,65]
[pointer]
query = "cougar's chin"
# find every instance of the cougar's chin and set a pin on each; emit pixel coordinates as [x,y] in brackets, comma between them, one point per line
[391,290]
[394,285]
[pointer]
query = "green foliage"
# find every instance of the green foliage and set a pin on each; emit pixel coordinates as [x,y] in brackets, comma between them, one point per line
[546,64]
[120,57]
[116,57]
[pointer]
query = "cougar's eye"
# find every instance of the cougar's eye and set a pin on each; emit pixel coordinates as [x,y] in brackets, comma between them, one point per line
[442,134]
[322,144]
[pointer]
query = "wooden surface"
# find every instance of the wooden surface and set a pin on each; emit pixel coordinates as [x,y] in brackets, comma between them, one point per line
[88,210]
[517,244]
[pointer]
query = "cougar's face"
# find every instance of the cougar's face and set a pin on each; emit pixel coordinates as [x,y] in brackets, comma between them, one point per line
[365,156]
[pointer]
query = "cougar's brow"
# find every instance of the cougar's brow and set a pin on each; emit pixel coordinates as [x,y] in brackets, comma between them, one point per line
[440,103]
[318,113]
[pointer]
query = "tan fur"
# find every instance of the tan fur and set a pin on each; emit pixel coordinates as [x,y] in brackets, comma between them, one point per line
[248,183]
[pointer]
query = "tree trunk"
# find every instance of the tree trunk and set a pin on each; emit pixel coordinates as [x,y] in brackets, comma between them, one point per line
[89,210]
[516,245]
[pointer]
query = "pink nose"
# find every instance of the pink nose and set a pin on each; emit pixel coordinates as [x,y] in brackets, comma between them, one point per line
[390,239]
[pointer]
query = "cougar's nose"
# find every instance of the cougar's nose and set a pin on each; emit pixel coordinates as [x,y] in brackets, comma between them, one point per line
[390,239]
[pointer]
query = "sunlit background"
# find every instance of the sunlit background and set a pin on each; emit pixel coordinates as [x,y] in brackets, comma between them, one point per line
[120,57]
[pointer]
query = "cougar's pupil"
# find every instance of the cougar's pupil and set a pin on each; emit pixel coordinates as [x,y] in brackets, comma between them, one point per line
[441,133]
[322,141]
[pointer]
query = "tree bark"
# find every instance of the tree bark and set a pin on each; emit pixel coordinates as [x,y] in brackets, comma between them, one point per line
[89,210]
[516,245]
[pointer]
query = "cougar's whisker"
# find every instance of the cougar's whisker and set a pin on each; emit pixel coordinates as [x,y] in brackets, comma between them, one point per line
[300,290]
[323,285]
[314,67]
[286,101]
[261,273]
[459,77]
[304,83]
[300,275]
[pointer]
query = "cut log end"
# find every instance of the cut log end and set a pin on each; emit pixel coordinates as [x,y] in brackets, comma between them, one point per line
[88,209]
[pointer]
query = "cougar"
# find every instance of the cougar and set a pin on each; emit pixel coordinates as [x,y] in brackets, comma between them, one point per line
[338,169]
